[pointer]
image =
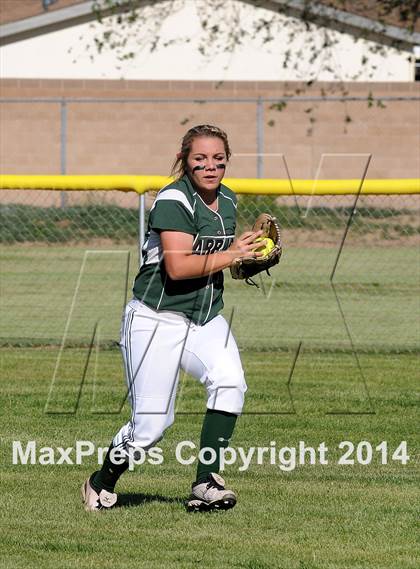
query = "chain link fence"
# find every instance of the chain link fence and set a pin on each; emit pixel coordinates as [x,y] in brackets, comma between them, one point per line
[348,279]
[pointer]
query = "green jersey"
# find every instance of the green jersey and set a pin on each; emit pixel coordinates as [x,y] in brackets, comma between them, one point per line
[179,207]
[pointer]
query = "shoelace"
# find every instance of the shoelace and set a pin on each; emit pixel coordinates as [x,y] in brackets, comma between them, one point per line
[213,484]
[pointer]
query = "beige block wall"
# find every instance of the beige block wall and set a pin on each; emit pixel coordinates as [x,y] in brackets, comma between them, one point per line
[143,137]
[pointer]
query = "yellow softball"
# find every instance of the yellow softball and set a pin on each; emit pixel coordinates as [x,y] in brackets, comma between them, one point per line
[265,249]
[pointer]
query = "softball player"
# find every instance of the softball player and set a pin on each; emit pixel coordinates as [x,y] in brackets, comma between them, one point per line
[173,321]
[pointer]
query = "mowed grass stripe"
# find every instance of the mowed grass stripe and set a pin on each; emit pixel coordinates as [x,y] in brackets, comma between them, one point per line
[376,289]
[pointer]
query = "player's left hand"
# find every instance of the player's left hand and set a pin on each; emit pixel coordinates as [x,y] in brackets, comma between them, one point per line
[266,252]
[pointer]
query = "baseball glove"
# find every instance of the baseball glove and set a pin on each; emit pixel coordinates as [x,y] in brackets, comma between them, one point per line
[248,268]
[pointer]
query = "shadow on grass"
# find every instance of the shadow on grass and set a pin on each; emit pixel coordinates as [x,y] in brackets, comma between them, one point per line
[132,500]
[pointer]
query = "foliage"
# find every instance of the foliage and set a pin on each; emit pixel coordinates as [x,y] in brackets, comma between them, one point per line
[20,223]
[365,219]
[130,28]
[406,11]
[224,28]
[23,223]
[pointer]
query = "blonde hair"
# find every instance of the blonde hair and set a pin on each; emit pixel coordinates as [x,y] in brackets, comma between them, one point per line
[179,167]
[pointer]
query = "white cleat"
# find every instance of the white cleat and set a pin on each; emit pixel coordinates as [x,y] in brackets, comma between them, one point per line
[211,495]
[93,501]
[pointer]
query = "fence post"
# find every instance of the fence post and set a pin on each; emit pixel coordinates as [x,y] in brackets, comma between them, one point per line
[63,147]
[260,138]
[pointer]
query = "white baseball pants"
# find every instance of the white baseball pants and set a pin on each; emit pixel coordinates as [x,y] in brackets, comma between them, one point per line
[155,346]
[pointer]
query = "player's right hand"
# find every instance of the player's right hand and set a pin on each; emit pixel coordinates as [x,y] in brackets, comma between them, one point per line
[244,245]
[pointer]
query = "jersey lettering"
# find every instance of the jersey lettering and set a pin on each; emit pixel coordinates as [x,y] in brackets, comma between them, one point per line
[208,245]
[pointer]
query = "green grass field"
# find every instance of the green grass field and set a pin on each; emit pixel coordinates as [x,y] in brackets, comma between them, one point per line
[377,289]
[313,517]
[318,516]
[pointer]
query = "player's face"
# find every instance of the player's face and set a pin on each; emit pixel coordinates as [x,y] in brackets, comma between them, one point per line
[206,162]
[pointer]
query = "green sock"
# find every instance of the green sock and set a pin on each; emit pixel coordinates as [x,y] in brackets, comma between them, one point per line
[107,477]
[216,431]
